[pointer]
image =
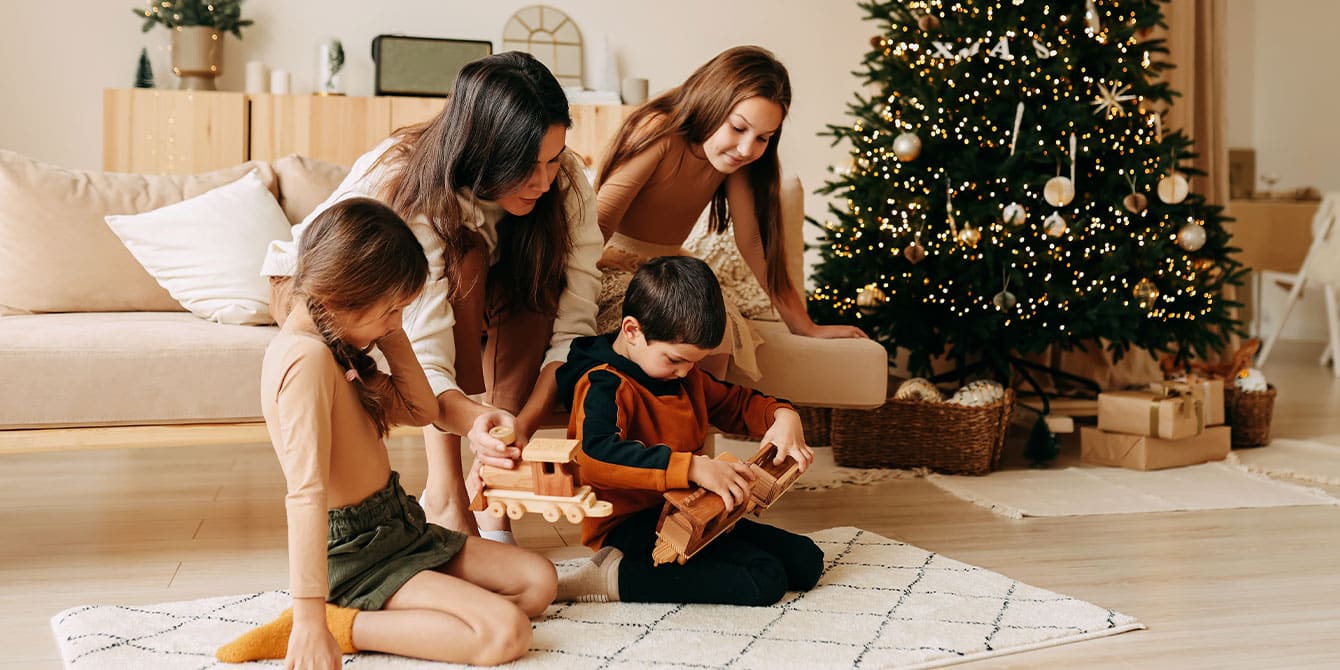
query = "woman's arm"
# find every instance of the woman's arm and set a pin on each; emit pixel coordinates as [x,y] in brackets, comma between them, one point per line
[749,239]
[623,185]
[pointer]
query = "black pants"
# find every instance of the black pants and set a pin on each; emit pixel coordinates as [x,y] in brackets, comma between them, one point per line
[753,565]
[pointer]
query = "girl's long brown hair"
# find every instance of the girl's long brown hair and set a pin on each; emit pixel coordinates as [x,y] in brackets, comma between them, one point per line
[356,255]
[695,110]
[486,141]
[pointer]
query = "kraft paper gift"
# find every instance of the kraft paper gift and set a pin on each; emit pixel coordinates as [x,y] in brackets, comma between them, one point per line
[1151,413]
[1141,452]
[1210,391]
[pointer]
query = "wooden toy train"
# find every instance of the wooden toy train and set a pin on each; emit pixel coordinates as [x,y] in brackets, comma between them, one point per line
[690,520]
[550,487]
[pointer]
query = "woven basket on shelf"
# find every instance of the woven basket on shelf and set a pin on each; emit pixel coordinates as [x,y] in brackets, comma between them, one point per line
[1248,414]
[912,434]
[817,422]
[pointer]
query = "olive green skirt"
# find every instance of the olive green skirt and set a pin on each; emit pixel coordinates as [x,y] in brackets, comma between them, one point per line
[376,545]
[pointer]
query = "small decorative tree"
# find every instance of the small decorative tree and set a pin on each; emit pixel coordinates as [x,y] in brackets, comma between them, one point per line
[144,76]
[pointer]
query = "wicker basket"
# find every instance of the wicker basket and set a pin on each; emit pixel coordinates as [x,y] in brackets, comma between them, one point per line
[912,434]
[1248,414]
[818,424]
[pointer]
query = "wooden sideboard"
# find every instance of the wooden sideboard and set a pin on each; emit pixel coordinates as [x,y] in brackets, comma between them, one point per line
[151,131]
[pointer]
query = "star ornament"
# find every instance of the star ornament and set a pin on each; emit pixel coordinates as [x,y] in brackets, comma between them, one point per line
[1109,100]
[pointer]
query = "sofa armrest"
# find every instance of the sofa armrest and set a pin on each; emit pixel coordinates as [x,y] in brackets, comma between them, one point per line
[824,373]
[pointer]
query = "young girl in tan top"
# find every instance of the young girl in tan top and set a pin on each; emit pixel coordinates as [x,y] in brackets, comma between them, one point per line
[366,570]
[712,140]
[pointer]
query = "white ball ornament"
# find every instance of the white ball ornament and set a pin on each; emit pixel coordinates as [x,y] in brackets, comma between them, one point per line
[1173,188]
[1055,225]
[977,394]
[919,389]
[907,146]
[1058,191]
[1014,214]
[1251,380]
[1191,237]
[1004,301]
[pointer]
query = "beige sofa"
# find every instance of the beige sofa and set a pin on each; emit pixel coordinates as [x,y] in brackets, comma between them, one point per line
[94,354]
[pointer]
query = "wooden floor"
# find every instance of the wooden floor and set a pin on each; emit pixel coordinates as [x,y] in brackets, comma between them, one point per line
[1257,588]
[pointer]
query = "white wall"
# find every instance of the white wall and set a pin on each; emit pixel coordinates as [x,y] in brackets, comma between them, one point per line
[1284,89]
[53,69]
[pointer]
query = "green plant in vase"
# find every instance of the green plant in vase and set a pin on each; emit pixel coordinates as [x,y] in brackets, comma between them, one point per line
[197,35]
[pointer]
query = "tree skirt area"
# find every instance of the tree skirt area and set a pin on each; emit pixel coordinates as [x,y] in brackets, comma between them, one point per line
[880,604]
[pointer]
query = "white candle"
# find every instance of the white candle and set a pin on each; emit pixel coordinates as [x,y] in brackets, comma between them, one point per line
[281,82]
[256,76]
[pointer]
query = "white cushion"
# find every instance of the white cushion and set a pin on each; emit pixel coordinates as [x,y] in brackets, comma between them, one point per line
[207,251]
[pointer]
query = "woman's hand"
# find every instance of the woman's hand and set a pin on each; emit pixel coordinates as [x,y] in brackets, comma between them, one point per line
[488,449]
[310,644]
[728,479]
[788,435]
[832,332]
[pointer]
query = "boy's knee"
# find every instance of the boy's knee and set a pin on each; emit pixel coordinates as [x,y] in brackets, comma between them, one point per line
[504,635]
[809,567]
[769,584]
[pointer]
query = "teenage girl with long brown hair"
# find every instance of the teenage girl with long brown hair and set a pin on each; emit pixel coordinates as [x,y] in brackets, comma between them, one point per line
[366,571]
[711,141]
[508,224]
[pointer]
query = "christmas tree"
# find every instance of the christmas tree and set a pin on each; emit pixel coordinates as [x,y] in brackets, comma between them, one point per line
[1011,188]
[144,74]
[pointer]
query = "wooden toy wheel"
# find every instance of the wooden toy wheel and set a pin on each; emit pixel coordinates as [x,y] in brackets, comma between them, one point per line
[515,511]
[575,515]
[552,514]
[497,509]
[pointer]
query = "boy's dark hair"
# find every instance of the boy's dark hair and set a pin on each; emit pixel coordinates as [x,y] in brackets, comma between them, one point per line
[677,299]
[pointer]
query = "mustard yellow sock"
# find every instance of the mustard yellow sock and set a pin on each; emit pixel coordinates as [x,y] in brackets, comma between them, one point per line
[271,640]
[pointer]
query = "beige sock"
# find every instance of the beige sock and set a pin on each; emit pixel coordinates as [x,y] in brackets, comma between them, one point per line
[271,640]
[595,582]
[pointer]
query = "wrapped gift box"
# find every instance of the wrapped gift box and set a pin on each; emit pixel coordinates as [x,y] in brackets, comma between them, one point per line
[1141,452]
[1151,413]
[1210,392]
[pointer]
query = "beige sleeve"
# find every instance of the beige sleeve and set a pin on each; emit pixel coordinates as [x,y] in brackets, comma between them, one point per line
[410,399]
[576,315]
[429,320]
[304,400]
[624,184]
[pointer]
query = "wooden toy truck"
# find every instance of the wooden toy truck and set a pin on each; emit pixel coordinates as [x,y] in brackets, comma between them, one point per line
[550,487]
[691,519]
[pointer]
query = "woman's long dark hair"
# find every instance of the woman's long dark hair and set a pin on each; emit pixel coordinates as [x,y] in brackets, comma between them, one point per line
[357,254]
[695,110]
[487,140]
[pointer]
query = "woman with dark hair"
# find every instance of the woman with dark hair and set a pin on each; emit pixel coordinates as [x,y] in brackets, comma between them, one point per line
[508,223]
[711,141]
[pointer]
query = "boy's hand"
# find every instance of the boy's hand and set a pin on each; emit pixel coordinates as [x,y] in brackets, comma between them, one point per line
[789,437]
[489,449]
[728,479]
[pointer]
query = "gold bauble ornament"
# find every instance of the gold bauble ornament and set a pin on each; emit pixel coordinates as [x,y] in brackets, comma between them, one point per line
[1058,191]
[969,236]
[1146,294]
[1055,225]
[869,298]
[1191,236]
[914,252]
[906,146]
[1004,301]
[928,22]
[1173,188]
[1014,214]
[1135,203]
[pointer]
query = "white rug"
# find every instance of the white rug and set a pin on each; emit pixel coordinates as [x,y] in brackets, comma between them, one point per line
[1085,490]
[880,604]
[1305,460]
